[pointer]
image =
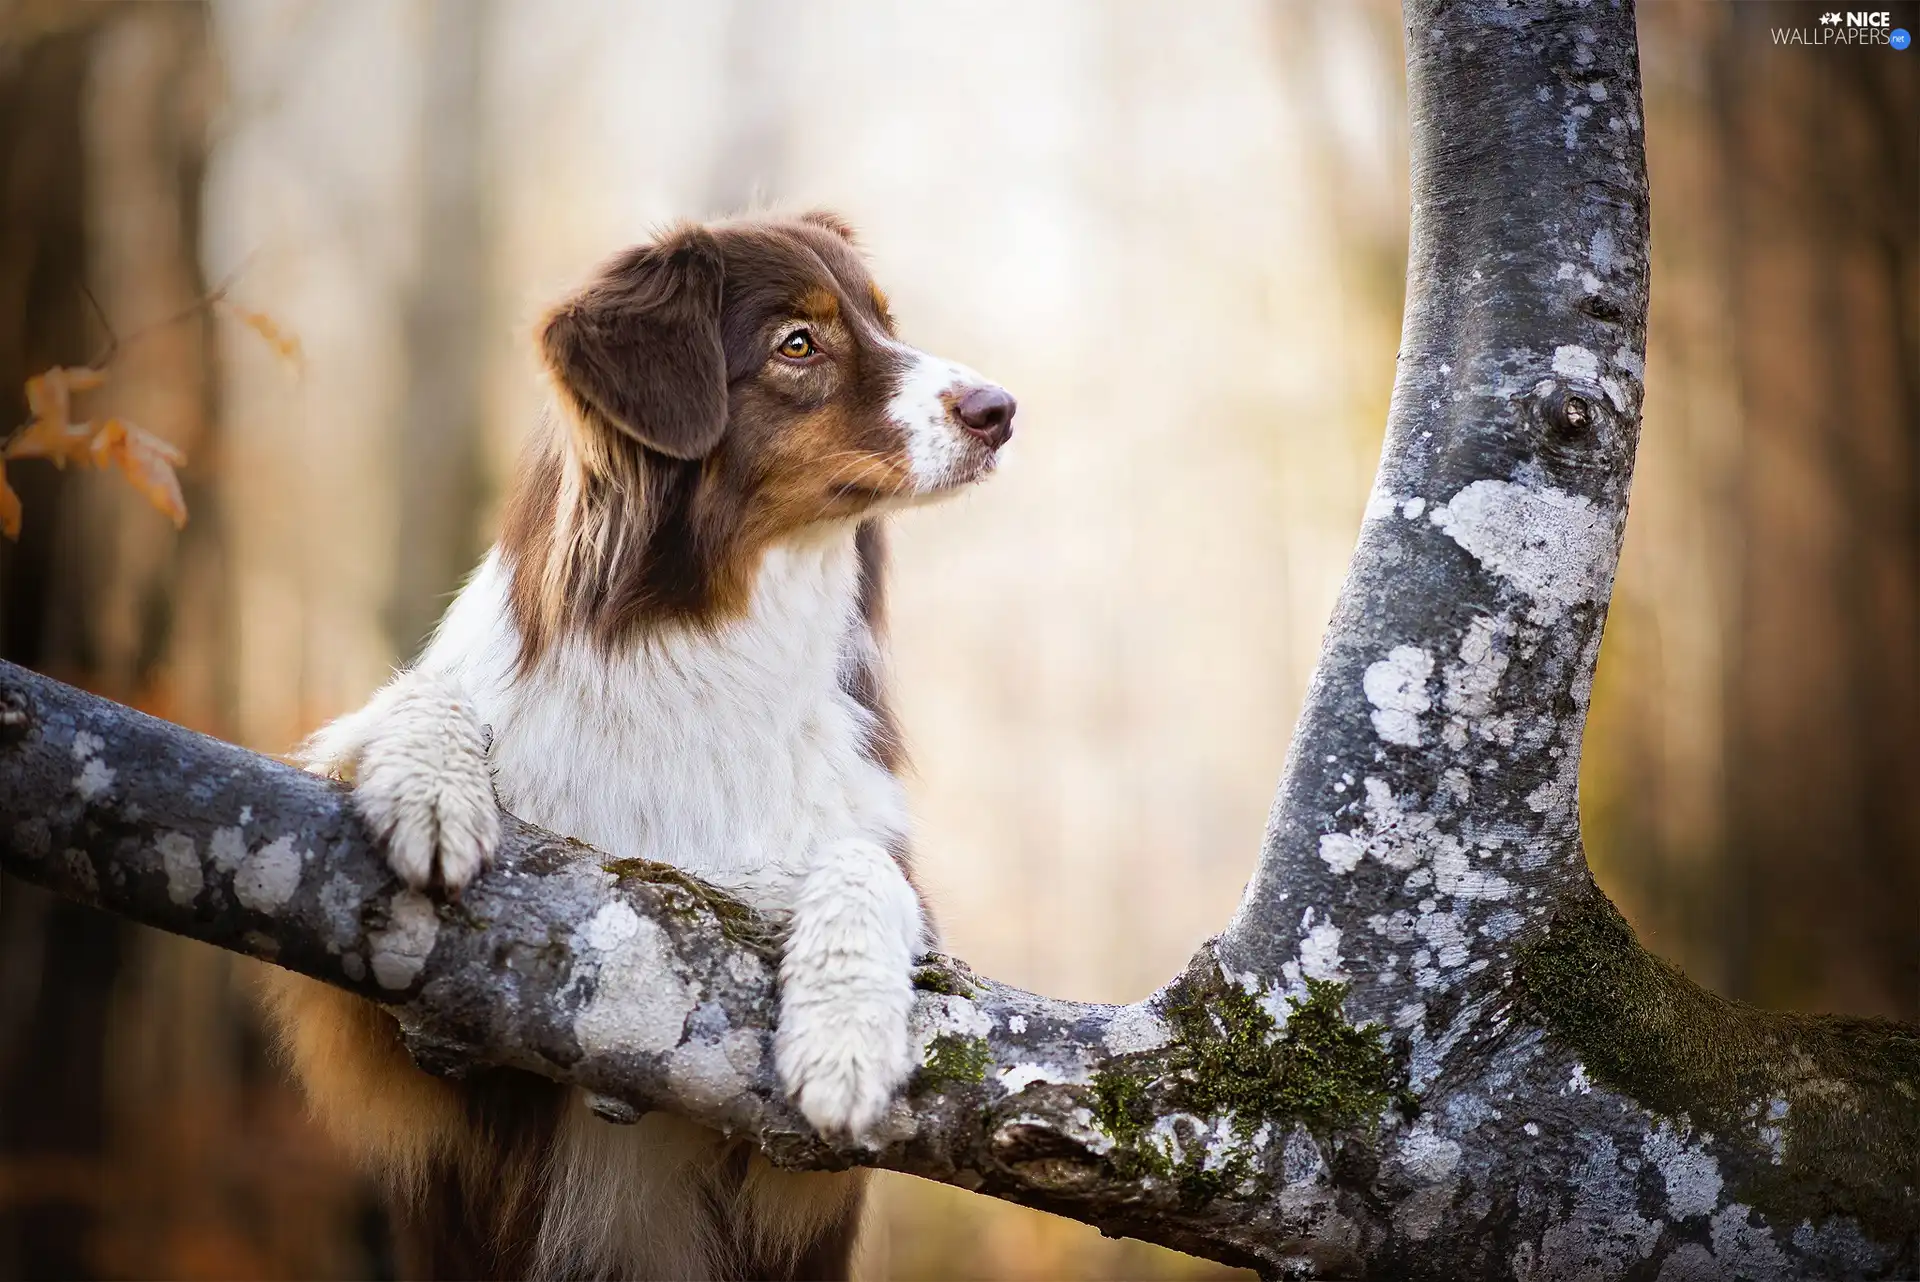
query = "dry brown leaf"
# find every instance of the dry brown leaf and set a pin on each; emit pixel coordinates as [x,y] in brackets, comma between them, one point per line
[49,392]
[148,463]
[145,459]
[63,443]
[52,434]
[9,506]
[285,345]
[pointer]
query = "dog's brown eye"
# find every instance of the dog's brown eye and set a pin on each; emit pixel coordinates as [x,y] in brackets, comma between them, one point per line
[797,346]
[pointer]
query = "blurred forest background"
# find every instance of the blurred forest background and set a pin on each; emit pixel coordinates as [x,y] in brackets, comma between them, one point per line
[1177,232]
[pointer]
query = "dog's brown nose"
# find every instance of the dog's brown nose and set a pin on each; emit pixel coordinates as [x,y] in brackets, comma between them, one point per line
[987,412]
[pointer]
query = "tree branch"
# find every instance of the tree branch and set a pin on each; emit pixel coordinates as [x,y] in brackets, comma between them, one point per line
[1426,1046]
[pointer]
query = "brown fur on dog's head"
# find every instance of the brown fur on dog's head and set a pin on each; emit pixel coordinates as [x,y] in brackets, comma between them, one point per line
[720,389]
[638,351]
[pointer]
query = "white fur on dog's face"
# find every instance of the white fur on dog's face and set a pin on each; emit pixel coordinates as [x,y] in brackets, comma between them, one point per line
[940,453]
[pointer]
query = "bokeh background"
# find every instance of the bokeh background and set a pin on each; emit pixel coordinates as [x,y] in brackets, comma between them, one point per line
[1177,232]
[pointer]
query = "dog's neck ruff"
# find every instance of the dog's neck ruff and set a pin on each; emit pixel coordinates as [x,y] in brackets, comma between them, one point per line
[728,750]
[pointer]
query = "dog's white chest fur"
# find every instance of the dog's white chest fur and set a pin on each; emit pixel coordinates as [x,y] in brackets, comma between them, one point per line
[734,753]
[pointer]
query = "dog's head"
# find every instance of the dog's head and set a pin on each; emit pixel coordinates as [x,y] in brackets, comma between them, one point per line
[764,350]
[724,388]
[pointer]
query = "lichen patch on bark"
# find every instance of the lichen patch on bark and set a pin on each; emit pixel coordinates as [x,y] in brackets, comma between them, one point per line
[639,1002]
[1556,548]
[268,876]
[180,860]
[400,948]
[1396,686]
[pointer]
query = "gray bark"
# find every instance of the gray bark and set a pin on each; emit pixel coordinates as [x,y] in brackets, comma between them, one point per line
[1426,1046]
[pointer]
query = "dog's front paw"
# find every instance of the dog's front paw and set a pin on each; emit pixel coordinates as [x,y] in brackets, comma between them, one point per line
[432,803]
[417,757]
[843,1060]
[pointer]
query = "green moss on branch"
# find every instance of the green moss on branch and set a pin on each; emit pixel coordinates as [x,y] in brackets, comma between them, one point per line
[1810,1116]
[686,895]
[945,976]
[1230,1058]
[952,1058]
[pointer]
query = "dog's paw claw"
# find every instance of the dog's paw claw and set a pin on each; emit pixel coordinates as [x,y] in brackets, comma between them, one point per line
[423,786]
[844,1070]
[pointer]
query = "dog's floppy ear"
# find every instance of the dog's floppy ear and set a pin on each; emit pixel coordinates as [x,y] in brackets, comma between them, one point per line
[640,347]
[830,221]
